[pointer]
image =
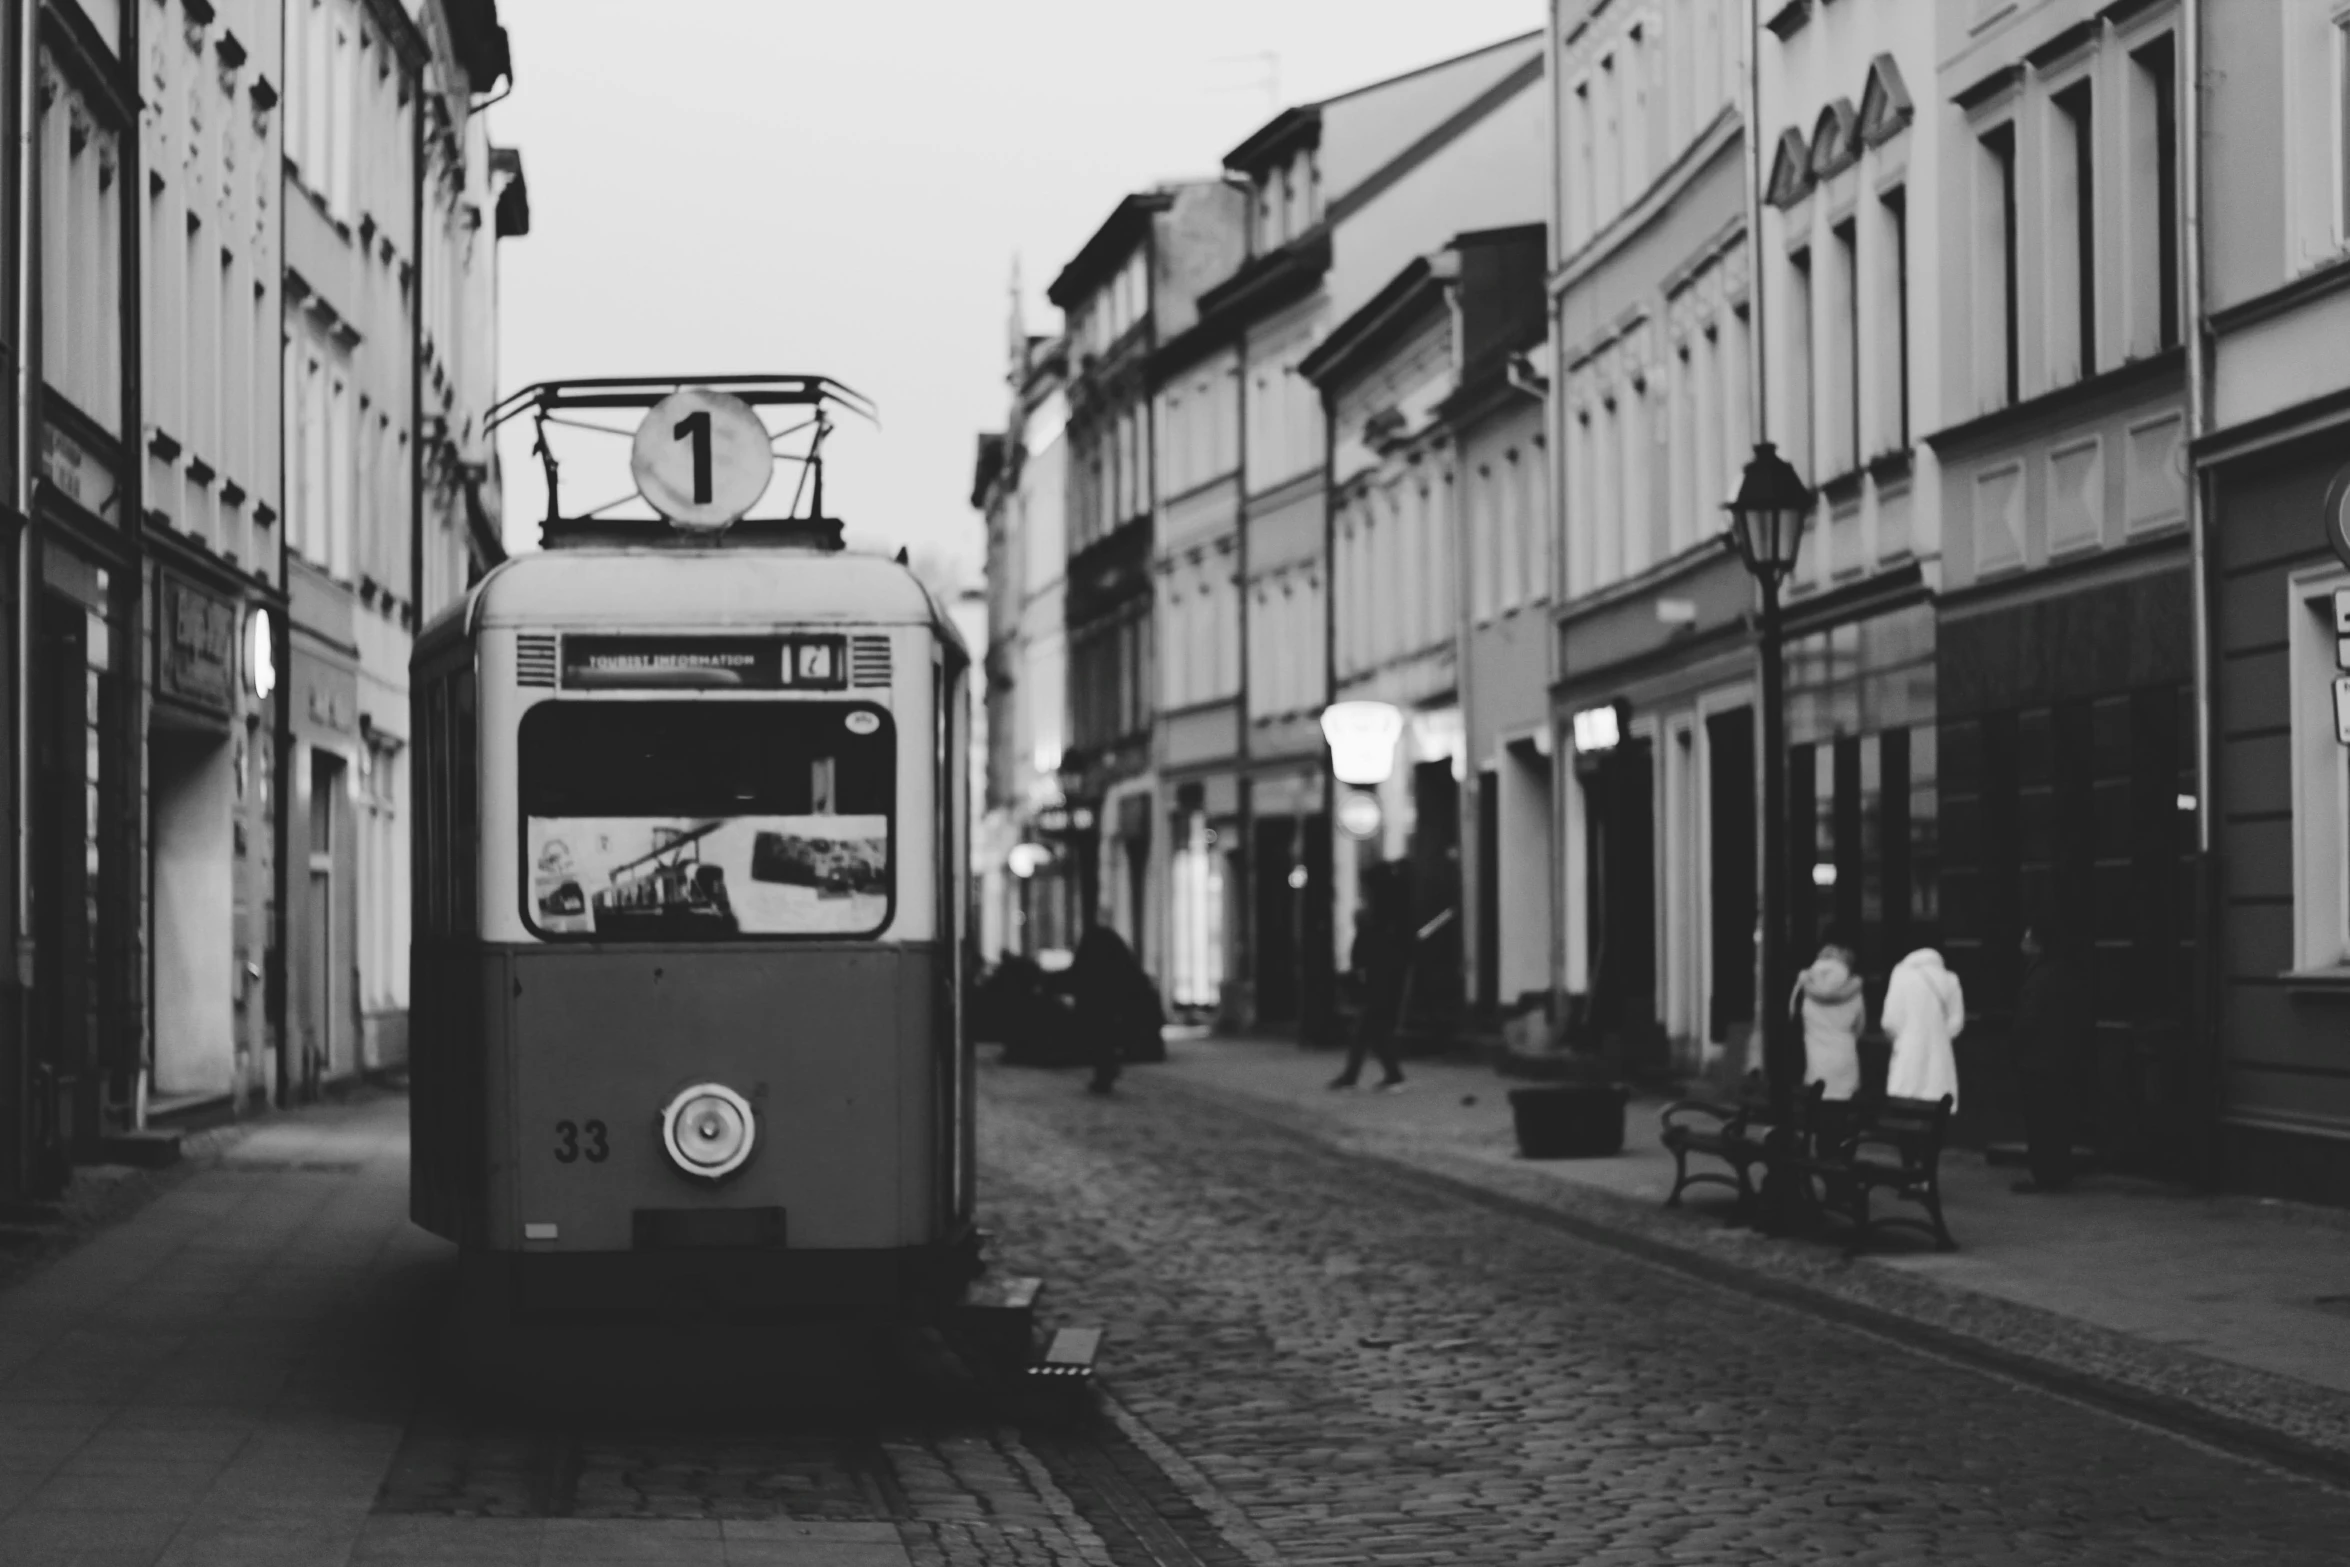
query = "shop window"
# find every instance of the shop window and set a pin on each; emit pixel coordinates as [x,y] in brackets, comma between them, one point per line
[2321,779]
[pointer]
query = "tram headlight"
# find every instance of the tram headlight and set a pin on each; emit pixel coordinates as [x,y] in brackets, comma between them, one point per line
[708,1131]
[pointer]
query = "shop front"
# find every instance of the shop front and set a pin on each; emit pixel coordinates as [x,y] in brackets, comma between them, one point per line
[1409,818]
[88,1013]
[324,1021]
[1657,816]
[211,757]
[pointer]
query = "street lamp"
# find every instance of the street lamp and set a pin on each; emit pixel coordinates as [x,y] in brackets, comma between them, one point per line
[1766,529]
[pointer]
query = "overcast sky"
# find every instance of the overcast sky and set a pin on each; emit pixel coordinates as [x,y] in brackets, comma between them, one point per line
[723,186]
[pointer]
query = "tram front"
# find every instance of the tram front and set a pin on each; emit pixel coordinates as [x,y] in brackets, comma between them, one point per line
[687,954]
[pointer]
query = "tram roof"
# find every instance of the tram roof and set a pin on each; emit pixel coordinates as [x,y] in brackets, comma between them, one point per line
[669,587]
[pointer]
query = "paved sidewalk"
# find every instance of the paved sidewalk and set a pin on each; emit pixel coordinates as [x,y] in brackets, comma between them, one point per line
[223,1378]
[2237,1307]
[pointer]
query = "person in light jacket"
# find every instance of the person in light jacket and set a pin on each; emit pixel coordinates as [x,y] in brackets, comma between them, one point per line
[1828,1001]
[1924,1011]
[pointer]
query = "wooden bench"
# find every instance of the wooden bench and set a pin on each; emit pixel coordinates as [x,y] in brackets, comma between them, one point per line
[1856,1148]
[1733,1134]
[1847,1150]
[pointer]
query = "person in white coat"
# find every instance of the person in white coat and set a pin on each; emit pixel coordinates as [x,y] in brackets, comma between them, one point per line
[1827,1001]
[1924,1011]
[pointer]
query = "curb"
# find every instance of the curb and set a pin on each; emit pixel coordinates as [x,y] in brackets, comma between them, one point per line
[2319,1452]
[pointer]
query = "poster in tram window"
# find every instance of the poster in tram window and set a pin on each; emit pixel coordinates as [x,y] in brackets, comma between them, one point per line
[639,878]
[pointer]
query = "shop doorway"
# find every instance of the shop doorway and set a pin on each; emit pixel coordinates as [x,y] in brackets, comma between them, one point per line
[75,906]
[1488,997]
[1280,883]
[1621,823]
[192,804]
[324,1045]
[1730,835]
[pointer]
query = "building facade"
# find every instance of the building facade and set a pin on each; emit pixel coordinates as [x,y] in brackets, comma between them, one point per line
[1494,419]
[211,137]
[2275,1087]
[393,205]
[1133,286]
[1394,500]
[2063,628]
[1028,888]
[1652,326]
[78,1040]
[1342,195]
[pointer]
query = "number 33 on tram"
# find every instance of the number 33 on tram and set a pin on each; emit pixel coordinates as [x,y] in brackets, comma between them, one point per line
[687,952]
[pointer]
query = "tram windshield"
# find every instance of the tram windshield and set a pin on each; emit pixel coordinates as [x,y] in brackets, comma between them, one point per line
[687,821]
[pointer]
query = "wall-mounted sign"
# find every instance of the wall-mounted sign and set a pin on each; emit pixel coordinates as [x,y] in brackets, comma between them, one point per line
[261,654]
[1359,814]
[809,663]
[2337,515]
[196,655]
[1599,729]
[702,459]
[2342,708]
[1362,738]
[79,474]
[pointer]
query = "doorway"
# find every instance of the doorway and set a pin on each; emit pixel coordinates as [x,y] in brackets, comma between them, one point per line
[323,1042]
[1622,850]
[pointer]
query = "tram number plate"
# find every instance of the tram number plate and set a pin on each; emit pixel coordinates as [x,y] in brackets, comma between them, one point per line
[577,1140]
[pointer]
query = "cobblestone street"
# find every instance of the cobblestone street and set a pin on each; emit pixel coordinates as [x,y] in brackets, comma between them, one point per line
[1313,1359]
[1371,1371]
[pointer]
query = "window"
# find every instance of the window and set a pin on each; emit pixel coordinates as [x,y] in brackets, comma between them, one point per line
[2073,210]
[1896,203]
[1846,236]
[2341,64]
[1800,387]
[689,821]
[2321,779]
[1995,209]
[2157,74]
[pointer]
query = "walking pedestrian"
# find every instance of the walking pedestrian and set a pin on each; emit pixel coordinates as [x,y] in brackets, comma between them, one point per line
[1924,1011]
[1382,964]
[1115,1004]
[1827,1000]
[2052,1023]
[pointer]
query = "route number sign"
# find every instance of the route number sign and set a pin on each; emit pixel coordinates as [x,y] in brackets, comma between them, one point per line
[702,459]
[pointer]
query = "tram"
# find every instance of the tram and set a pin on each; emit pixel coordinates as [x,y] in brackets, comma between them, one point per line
[688,942]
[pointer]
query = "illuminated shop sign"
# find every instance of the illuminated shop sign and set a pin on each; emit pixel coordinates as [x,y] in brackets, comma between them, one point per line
[1600,729]
[811,663]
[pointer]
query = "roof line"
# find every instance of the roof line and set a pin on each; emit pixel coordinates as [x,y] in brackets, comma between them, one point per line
[1423,70]
[1419,152]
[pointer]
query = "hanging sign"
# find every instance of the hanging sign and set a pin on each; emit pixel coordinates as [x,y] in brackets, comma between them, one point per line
[1359,814]
[702,459]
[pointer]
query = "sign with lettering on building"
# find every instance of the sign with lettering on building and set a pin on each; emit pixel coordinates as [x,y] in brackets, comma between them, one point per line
[196,656]
[79,474]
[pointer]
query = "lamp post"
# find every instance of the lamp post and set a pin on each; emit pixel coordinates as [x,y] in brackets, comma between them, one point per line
[1766,529]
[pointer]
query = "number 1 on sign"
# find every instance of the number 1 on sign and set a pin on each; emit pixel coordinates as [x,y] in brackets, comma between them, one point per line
[696,426]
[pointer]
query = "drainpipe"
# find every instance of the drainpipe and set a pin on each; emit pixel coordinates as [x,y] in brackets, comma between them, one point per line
[28,131]
[2206,1037]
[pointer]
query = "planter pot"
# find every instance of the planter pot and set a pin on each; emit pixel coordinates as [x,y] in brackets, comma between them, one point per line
[1569,1120]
